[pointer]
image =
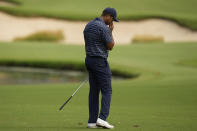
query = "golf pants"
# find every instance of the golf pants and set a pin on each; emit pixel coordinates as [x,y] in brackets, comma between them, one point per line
[99,80]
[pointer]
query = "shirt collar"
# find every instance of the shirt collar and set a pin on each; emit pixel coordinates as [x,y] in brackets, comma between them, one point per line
[100,19]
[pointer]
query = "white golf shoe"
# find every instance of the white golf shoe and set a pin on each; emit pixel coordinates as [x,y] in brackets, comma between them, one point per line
[104,124]
[92,125]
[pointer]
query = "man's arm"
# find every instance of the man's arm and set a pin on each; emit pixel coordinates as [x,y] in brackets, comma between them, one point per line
[111,44]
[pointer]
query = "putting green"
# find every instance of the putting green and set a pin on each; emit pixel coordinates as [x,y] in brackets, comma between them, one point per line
[162,98]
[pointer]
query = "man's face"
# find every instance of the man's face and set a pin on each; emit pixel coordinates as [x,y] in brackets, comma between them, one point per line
[108,19]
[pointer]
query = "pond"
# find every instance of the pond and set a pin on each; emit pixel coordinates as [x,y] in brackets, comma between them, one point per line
[29,75]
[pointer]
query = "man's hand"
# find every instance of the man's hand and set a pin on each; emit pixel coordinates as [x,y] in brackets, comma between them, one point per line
[111,45]
[111,26]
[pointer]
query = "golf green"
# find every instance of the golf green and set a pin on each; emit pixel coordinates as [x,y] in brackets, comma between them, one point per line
[162,98]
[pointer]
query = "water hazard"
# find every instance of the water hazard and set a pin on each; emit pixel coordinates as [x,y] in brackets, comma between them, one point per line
[29,75]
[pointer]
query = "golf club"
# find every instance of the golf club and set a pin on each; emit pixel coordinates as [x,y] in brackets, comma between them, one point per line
[73,94]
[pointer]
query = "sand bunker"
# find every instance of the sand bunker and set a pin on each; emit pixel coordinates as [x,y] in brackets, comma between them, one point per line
[124,31]
[4,3]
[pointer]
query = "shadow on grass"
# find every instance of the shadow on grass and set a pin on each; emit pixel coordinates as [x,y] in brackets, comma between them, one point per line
[70,128]
[69,65]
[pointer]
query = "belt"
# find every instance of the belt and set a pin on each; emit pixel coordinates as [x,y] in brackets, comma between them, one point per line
[96,57]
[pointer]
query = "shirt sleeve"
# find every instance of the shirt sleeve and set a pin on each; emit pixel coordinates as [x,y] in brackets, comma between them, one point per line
[106,36]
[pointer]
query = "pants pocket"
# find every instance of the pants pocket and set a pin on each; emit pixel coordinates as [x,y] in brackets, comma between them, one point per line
[100,63]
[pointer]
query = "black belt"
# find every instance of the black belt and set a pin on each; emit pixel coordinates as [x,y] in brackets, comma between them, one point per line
[96,57]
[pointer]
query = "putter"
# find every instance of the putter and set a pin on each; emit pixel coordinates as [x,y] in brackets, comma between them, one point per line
[73,94]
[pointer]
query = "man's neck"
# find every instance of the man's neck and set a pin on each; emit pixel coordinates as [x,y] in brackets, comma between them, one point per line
[101,17]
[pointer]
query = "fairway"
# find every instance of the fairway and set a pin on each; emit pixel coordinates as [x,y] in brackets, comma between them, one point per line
[180,11]
[162,98]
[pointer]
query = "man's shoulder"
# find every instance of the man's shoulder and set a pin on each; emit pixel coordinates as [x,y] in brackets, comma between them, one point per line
[97,23]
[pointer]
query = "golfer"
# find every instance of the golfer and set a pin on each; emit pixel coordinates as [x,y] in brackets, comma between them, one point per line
[98,41]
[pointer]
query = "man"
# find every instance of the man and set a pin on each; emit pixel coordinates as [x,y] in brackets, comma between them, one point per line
[98,41]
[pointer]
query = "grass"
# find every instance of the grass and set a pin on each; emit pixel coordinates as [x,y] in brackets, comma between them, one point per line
[188,62]
[181,11]
[163,98]
[45,35]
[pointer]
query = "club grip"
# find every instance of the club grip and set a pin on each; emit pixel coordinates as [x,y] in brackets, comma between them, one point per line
[65,103]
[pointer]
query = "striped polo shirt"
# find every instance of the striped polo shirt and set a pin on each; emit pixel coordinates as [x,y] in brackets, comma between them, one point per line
[97,35]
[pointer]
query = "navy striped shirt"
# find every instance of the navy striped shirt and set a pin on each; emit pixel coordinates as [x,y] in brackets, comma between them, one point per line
[97,35]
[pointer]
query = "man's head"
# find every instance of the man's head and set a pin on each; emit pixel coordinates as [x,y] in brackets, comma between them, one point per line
[109,15]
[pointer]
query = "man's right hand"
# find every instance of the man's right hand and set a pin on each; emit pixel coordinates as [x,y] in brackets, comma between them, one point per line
[111,26]
[111,45]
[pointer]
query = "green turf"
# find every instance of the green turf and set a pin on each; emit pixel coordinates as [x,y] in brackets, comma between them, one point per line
[188,62]
[163,98]
[181,11]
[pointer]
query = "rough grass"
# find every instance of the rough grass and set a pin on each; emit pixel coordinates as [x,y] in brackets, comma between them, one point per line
[147,39]
[163,98]
[181,11]
[45,35]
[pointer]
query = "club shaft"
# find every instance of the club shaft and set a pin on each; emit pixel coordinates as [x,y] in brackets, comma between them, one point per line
[73,94]
[79,87]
